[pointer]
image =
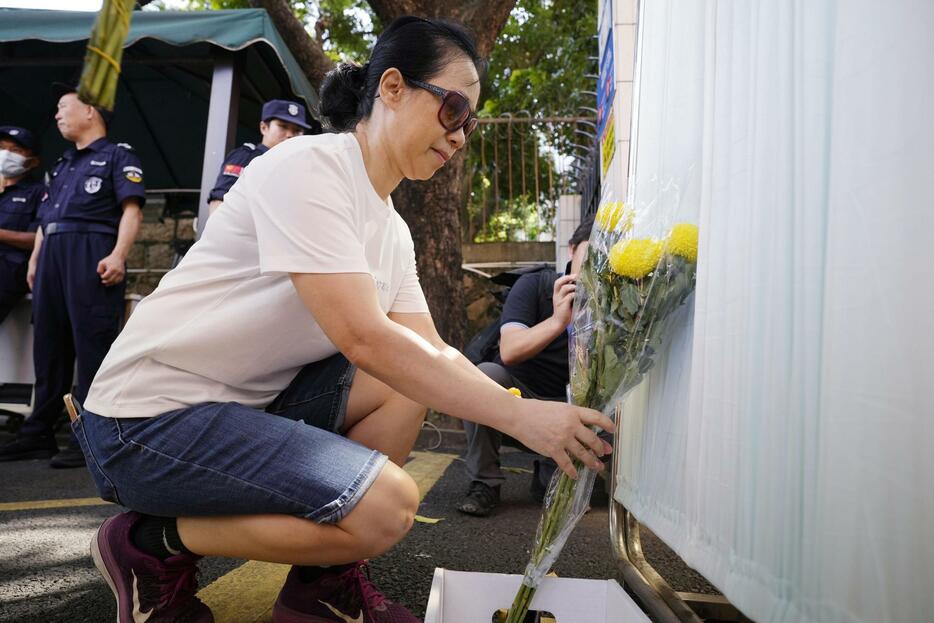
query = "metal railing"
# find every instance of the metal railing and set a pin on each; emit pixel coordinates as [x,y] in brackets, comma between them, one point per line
[517,169]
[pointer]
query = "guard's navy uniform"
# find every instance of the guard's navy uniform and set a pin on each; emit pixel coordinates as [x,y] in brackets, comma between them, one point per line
[19,204]
[76,317]
[234,162]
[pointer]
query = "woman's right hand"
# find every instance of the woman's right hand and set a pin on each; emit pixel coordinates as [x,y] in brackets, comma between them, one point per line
[561,431]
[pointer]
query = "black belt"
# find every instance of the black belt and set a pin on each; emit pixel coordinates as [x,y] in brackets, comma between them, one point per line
[84,228]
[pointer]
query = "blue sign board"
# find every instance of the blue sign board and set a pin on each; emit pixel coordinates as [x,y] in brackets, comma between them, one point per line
[606,89]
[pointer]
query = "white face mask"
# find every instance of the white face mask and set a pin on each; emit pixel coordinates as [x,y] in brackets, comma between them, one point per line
[12,164]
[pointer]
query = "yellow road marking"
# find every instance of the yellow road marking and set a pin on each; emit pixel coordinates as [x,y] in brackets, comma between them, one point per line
[246,594]
[43,504]
[426,468]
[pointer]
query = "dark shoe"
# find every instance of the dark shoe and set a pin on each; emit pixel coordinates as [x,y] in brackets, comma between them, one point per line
[481,499]
[23,448]
[146,588]
[342,593]
[72,456]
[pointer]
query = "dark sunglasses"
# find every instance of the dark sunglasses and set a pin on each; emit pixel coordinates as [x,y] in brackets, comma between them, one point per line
[455,112]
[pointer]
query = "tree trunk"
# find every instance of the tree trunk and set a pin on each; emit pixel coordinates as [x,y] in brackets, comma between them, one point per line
[485,18]
[307,51]
[431,208]
[431,211]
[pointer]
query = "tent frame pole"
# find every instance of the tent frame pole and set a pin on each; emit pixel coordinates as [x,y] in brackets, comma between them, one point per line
[221,127]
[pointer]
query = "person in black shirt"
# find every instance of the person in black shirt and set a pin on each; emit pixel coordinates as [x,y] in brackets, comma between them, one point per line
[533,357]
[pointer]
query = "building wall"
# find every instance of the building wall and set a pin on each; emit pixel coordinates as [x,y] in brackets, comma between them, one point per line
[625,24]
[568,217]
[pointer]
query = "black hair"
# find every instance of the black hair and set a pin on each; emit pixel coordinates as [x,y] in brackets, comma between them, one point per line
[419,48]
[582,233]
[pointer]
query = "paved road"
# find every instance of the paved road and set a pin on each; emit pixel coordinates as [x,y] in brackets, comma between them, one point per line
[47,518]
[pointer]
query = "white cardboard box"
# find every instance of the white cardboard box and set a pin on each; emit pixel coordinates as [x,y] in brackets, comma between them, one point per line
[463,597]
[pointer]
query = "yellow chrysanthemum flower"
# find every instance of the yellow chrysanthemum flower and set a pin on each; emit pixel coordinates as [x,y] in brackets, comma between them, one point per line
[635,258]
[515,391]
[683,241]
[613,215]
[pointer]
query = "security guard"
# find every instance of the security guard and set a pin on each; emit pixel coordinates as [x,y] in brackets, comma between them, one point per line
[19,204]
[89,220]
[282,119]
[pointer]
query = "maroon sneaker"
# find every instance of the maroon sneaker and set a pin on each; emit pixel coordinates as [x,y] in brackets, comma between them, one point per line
[148,590]
[342,593]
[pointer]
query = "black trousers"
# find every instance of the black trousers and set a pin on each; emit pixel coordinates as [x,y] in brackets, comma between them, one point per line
[76,319]
[483,442]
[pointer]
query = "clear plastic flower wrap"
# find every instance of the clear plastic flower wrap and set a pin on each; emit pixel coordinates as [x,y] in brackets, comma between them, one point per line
[627,290]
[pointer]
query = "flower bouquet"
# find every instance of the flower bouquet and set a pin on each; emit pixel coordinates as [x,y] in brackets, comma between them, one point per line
[629,288]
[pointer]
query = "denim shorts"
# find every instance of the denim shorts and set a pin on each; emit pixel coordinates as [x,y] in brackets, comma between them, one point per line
[218,458]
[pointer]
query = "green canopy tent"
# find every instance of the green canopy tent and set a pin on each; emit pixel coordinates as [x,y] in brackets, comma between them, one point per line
[192,86]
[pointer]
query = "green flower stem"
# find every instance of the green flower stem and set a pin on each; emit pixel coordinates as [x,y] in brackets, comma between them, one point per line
[552,522]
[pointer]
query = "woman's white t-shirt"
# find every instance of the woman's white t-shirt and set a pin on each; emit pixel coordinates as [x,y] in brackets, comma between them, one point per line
[227,325]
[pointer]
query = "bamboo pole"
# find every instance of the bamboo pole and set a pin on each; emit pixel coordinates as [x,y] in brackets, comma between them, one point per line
[102,60]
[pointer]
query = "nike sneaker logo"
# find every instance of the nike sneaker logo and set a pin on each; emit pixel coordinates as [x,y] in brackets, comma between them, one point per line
[138,615]
[165,541]
[338,613]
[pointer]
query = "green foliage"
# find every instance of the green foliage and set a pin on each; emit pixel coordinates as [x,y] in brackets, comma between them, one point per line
[346,28]
[541,58]
[538,68]
[518,220]
[199,5]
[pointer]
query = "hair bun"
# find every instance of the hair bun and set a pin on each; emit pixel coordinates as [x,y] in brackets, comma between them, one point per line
[340,96]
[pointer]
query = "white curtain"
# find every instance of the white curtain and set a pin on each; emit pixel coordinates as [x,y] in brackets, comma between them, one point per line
[784,443]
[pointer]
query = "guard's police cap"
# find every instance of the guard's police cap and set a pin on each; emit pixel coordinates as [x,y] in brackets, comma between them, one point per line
[284,110]
[20,136]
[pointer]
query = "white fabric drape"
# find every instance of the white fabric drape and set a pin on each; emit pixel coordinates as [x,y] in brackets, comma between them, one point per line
[784,443]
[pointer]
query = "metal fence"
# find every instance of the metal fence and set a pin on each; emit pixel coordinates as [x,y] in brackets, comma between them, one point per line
[517,168]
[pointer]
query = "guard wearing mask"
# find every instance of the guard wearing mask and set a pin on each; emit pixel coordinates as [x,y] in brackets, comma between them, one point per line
[19,203]
[282,120]
[89,220]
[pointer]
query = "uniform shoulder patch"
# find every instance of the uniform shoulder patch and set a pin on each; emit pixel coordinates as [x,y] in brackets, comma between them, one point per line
[232,170]
[125,146]
[251,146]
[133,174]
